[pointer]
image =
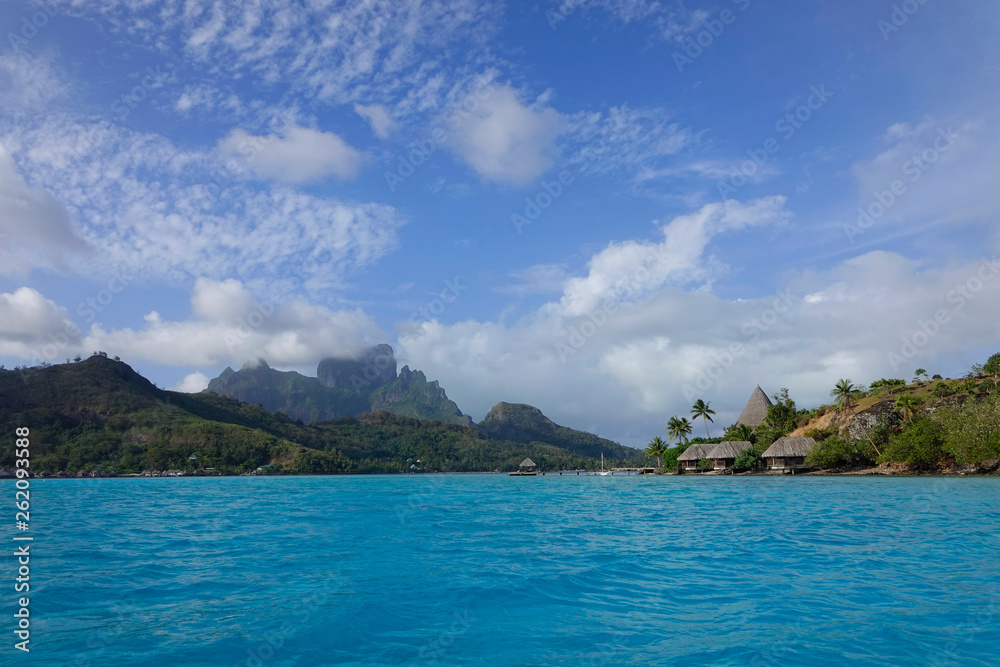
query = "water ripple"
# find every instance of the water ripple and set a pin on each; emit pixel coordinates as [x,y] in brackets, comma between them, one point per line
[492,570]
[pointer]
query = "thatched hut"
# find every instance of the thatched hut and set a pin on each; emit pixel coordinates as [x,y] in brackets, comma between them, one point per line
[527,465]
[688,460]
[788,452]
[723,456]
[755,412]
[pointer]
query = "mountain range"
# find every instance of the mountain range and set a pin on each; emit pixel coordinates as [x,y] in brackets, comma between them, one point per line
[100,415]
[342,387]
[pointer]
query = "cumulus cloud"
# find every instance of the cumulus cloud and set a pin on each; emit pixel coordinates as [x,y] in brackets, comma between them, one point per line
[192,383]
[35,228]
[378,117]
[619,362]
[506,141]
[229,326]
[616,269]
[295,155]
[33,327]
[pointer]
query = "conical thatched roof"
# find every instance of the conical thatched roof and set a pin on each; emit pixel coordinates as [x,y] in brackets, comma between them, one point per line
[755,412]
[697,451]
[527,463]
[729,449]
[790,446]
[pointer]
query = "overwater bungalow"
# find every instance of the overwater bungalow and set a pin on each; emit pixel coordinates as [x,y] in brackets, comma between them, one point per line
[527,468]
[788,453]
[688,460]
[723,456]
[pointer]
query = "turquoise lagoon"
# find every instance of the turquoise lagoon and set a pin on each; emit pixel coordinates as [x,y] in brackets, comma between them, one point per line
[497,570]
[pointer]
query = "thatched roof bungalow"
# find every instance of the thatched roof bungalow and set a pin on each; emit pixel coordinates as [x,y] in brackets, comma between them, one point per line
[688,460]
[755,412]
[527,465]
[788,452]
[723,456]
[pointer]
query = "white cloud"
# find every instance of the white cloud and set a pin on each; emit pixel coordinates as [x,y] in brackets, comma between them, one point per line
[378,117]
[948,170]
[371,52]
[506,141]
[620,367]
[33,327]
[538,279]
[640,267]
[193,217]
[640,142]
[35,228]
[192,383]
[30,83]
[296,155]
[230,326]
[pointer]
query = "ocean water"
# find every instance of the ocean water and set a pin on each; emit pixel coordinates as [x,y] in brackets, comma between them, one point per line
[497,570]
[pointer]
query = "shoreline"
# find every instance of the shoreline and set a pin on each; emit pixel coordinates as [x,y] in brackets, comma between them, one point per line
[866,472]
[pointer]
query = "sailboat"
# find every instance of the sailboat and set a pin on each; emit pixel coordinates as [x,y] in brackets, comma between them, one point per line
[603,471]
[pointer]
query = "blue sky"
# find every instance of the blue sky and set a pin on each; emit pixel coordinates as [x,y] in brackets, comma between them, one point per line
[602,208]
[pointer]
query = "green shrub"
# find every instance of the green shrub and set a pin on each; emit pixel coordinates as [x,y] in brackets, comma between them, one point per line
[920,446]
[704,465]
[972,430]
[942,390]
[748,460]
[835,452]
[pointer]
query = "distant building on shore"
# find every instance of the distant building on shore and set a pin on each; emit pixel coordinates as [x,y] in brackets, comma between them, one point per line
[724,454]
[788,453]
[688,460]
[755,412]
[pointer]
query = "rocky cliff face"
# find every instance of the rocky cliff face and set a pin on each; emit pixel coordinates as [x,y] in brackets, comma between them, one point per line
[342,387]
[375,367]
[881,414]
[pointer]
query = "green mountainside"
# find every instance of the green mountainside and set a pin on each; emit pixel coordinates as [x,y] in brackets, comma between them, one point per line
[524,423]
[100,415]
[341,387]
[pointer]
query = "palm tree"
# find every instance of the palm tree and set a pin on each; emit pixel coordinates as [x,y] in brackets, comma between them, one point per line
[678,428]
[908,404]
[740,433]
[701,409]
[656,447]
[843,395]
